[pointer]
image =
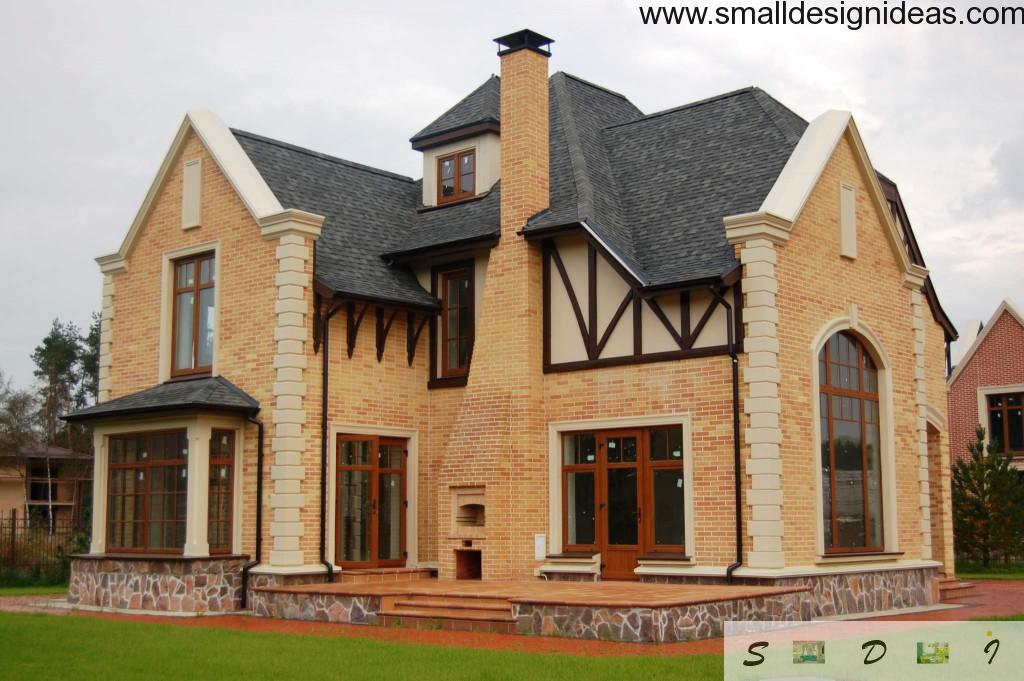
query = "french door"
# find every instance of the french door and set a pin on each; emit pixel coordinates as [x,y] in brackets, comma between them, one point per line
[622,496]
[370,494]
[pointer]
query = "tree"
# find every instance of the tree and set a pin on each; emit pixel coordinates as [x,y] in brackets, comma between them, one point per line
[17,416]
[89,388]
[988,504]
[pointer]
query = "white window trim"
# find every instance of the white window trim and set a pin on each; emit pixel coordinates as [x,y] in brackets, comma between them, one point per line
[555,431]
[412,438]
[167,304]
[983,394]
[890,525]
[198,428]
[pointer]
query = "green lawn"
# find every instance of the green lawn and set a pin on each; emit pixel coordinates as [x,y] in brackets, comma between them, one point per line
[1000,618]
[56,590]
[969,571]
[104,649]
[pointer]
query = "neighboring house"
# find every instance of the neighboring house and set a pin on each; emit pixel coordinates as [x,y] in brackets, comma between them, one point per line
[521,364]
[46,478]
[986,387]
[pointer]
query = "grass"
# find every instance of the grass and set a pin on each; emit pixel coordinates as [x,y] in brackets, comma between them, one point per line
[54,589]
[1000,618]
[969,571]
[105,649]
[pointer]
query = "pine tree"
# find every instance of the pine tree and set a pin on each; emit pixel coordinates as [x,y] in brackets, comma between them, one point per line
[988,504]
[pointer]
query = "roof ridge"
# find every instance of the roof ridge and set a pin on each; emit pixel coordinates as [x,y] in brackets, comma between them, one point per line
[773,116]
[594,85]
[691,105]
[326,157]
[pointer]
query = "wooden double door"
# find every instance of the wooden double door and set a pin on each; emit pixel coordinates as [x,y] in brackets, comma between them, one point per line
[623,496]
[370,494]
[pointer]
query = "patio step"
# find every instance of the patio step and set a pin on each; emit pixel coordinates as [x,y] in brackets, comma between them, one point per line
[435,610]
[953,588]
[382,575]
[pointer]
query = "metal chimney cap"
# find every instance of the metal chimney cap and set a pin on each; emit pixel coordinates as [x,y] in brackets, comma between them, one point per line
[524,40]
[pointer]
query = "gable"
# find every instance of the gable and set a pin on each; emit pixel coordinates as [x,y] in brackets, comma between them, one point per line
[1005,325]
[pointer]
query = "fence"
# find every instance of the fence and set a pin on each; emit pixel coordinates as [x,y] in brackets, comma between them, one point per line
[36,545]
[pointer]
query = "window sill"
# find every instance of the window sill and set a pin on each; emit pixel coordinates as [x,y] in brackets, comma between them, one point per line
[447,382]
[867,557]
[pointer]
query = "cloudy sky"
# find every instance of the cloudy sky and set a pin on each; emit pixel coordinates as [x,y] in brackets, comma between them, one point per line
[93,93]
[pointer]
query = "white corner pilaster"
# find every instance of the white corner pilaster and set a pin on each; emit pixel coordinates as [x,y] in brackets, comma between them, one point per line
[197,542]
[761,403]
[98,544]
[917,303]
[106,337]
[294,286]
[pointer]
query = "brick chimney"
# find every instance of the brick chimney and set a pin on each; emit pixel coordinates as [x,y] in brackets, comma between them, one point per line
[499,439]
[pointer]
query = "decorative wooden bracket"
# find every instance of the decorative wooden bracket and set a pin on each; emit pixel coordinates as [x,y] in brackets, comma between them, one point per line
[413,332]
[353,321]
[321,314]
[383,329]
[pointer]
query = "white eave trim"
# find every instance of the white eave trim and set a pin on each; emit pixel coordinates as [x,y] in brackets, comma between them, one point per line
[232,160]
[611,251]
[788,196]
[1006,306]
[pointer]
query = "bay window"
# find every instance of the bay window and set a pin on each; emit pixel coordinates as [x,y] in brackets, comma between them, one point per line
[221,490]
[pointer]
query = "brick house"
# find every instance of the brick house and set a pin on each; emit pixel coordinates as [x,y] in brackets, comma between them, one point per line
[694,346]
[987,385]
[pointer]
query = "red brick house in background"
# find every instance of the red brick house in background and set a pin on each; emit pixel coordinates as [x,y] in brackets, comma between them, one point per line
[987,386]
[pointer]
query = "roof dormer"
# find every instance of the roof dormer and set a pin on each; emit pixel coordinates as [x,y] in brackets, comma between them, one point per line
[462,148]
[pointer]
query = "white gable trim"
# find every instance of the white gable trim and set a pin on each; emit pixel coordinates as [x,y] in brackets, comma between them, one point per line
[236,165]
[788,196]
[1006,306]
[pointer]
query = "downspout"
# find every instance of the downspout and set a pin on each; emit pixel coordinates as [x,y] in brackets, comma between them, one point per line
[325,349]
[259,511]
[737,479]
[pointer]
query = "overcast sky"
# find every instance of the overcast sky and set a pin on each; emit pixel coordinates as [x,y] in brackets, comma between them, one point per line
[93,93]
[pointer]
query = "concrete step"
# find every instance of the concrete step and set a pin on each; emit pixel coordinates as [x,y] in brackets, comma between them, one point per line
[454,602]
[443,614]
[417,621]
[952,588]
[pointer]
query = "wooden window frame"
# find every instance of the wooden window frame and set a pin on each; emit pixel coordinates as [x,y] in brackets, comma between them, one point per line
[459,194]
[147,465]
[195,289]
[1004,437]
[826,388]
[441,376]
[229,462]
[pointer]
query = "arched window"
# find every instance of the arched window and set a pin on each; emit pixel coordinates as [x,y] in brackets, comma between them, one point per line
[851,460]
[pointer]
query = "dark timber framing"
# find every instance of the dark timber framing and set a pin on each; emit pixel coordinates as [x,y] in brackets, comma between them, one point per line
[595,341]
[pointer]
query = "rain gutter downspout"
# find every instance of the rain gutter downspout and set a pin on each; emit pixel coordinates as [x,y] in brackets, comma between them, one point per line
[259,511]
[325,348]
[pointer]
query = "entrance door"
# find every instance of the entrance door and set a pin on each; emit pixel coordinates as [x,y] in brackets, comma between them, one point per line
[371,502]
[621,514]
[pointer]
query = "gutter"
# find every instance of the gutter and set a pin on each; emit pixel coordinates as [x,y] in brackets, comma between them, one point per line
[259,511]
[737,479]
[325,347]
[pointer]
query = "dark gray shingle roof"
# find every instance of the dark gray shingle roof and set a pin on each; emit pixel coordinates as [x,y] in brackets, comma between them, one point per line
[475,220]
[655,188]
[214,394]
[482,105]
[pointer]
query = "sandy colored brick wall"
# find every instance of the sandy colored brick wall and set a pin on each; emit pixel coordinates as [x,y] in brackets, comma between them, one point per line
[246,295]
[996,362]
[807,302]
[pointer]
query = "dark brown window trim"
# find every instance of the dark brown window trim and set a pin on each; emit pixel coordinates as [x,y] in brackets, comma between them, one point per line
[1003,438]
[229,462]
[460,193]
[437,379]
[197,286]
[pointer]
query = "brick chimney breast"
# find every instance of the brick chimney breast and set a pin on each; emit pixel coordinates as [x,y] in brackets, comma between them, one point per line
[498,443]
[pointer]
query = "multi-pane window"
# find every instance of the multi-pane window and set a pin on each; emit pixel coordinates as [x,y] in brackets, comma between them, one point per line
[456,176]
[850,447]
[665,452]
[456,321]
[1006,423]
[579,489]
[146,492]
[221,490]
[194,279]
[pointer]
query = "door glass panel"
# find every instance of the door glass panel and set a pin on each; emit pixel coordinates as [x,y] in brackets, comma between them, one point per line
[614,448]
[629,449]
[390,456]
[578,448]
[579,490]
[668,506]
[389,522]
[354,487]
[355,453]
[622,506]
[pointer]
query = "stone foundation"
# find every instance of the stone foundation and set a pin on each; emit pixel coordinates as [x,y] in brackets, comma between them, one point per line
[313,607]
[171,584]
[653,625]
[259,580]
[844,593]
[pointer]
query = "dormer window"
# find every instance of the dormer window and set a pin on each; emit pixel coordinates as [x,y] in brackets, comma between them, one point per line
[456,176]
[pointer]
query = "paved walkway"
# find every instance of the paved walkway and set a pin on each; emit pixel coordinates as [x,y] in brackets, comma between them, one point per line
[993,598]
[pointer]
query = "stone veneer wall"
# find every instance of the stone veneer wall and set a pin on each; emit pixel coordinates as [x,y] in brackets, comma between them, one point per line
[312,607]
[169,585]
[842,593]
[653,625]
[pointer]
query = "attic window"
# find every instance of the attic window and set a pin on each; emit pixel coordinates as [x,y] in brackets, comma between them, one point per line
[456,176]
